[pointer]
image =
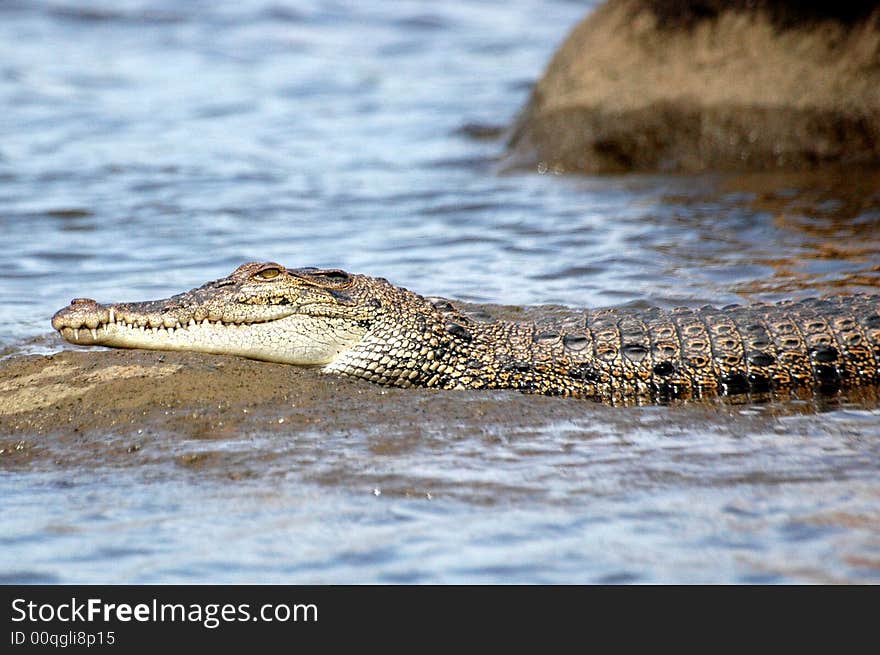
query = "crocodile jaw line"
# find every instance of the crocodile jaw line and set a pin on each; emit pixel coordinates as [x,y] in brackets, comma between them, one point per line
[295,339]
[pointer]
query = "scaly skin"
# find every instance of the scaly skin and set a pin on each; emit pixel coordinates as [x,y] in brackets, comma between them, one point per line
[365,327]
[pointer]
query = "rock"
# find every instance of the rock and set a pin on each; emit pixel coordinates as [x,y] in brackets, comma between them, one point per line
[667,85]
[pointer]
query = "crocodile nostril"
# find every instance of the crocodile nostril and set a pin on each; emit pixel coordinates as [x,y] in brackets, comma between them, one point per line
[83,301]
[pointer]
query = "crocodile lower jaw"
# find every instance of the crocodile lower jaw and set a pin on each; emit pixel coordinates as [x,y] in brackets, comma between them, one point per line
[290,340]
[120,331]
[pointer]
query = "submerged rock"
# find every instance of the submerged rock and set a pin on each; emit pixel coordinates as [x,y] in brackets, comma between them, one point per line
[646,85]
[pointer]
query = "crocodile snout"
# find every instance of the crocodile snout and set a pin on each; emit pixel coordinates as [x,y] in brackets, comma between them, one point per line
[81,312]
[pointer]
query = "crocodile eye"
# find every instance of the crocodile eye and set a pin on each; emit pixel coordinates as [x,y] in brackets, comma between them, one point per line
[332,276]
[268,273]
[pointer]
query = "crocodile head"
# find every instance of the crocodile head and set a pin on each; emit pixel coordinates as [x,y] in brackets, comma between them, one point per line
[304,316]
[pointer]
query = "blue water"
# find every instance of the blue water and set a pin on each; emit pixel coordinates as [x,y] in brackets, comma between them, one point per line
[146,147]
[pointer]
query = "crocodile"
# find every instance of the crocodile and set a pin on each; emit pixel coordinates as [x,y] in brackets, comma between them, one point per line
[365,327]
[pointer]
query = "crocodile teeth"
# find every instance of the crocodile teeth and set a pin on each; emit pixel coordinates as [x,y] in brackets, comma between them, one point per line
[94,334]
[75,334]
[112,316]
[191,323]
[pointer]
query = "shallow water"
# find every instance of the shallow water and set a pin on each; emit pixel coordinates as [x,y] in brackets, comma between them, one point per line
[147,147]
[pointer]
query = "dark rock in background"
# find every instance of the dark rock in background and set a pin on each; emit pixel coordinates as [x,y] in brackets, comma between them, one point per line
[646,85]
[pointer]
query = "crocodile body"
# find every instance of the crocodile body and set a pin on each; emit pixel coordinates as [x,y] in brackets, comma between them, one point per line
[365,327]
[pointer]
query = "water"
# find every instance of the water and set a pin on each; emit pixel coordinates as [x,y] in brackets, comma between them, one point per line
[146,147]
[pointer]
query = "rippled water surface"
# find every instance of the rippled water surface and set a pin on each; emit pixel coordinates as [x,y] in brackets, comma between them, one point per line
[147,147]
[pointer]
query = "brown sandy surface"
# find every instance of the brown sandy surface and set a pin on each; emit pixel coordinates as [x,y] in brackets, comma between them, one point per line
[631,90]
[167,415]
[118,407]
